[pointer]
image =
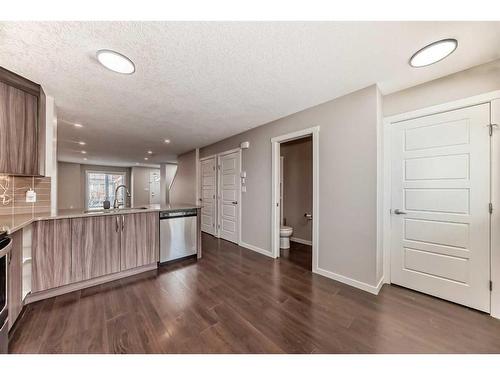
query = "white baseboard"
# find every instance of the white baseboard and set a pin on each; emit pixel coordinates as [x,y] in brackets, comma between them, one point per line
[255,248]
[300,240]
[373,289]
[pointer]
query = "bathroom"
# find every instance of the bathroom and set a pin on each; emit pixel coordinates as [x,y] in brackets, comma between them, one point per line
[296,201]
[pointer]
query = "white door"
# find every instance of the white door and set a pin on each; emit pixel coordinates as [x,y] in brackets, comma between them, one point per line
[154,188]
[208,195]
[441,183]
[229,205]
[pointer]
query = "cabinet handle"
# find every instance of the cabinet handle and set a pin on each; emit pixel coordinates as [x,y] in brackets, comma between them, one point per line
[117,224]
[123,222]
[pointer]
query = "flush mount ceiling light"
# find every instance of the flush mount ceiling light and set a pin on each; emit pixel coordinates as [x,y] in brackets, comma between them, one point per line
[167,141]
[83,152]
[150,152]
[115,61]
[433,53]
[81,143]
[146,158]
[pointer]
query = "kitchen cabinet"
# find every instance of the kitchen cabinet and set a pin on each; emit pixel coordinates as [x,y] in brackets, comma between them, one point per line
[51,255]
[66,251]
[15,277]
[95,247]
[140,239]
[22,126]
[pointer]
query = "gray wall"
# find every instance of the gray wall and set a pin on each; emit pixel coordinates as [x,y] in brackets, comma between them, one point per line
[348,181]
[470,82]
[71,182]
[298,186]
[140,185]
[184,187]
[69,189]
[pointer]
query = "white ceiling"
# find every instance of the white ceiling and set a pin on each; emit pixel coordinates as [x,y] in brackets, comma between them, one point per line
[199,82]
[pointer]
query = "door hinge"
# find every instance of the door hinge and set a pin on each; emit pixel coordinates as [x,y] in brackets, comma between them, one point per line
[490,208]
[491,126]
[491,285]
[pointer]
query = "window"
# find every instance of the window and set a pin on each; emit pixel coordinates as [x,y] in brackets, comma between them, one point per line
[100,186]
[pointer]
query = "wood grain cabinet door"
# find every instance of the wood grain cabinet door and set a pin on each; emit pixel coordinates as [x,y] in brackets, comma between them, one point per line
[139,240]
[15,275]
[51,255]
[95,244]
[18,129]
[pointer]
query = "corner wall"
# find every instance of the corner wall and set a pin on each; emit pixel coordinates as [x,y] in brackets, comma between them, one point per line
[348,183]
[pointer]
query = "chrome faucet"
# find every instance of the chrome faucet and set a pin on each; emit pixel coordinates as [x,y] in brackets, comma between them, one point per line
[116,203]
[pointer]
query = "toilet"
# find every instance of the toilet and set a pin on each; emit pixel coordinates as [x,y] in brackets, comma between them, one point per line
[285,234]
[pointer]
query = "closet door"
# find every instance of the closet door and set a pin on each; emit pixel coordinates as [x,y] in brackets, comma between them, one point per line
[440,196]
[229,205]
[208,195]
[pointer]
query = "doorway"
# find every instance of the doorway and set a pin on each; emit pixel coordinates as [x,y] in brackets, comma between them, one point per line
[154,187]
[309,218]
[221,195]
[296,211]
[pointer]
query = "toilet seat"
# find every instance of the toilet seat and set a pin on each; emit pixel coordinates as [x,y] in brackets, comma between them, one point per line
[286,231]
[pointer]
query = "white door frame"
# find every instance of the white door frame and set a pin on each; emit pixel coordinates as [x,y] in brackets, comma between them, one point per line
[217,189]
[384,175]
[275,191]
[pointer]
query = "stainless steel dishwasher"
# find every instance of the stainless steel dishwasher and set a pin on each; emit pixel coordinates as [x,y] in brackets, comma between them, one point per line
[178,237]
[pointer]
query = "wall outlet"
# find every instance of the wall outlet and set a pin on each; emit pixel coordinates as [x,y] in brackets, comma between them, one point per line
[30,196]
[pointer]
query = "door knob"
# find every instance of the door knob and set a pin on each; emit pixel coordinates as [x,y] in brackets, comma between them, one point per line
[397,211]
[235,202]
[308,216]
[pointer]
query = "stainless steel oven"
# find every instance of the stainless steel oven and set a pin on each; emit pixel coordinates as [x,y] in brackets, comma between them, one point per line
[5,245]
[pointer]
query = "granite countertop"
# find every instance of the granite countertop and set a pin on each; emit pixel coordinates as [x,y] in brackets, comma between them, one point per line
[12,223]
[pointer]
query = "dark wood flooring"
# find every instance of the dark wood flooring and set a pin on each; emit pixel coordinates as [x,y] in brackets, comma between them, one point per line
[237,301]
[298,254]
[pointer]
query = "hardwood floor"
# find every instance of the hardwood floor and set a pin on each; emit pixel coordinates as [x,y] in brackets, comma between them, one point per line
[234,300]
[298,254]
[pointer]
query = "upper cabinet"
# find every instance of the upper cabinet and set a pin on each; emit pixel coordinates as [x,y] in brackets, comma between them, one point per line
[22,126]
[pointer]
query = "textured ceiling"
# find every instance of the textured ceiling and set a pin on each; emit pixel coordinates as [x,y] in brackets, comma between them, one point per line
[199,82]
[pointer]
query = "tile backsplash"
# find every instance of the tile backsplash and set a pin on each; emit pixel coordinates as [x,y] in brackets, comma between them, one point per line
[13,195]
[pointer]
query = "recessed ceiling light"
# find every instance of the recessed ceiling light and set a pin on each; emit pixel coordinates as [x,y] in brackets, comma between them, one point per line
[78,125]
[167,140]
[146,158]
[84,158]
[83,152]
[115,61]
[433,53]
[150,152]
[81,143]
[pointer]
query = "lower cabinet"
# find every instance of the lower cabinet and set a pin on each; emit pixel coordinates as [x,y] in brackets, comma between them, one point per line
[95,247]
[15,275]
[67,251]
[51,255]
[140,239]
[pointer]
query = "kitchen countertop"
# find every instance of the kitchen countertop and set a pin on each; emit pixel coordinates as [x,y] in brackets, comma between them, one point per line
[12,223]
